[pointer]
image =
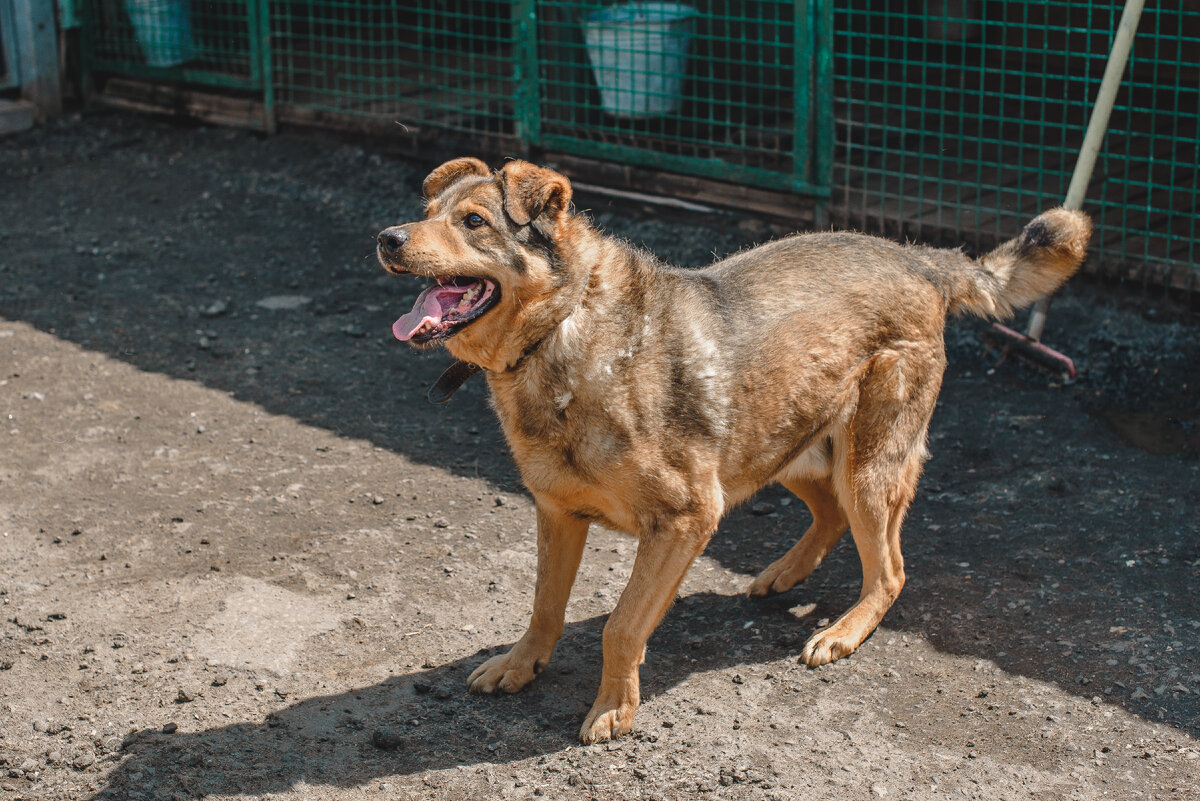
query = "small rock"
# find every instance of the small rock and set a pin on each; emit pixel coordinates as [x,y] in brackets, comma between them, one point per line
[376,499]
[879,790]
[184,697]
[84,760]
[725,780]
[499,500]
[215,309]
[29,765]
[170,728]
[762,508]
[283,302]
[41,726]
[219,681]
[112,744]
[386,738]
[441,522]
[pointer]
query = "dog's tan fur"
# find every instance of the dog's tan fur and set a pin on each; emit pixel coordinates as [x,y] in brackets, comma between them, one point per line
[652,399]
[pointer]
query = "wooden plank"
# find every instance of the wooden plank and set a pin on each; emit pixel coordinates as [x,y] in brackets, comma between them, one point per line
[218,109]
[784,207]
[37,55]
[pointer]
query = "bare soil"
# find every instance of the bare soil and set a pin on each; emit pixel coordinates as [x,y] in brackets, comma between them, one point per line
[242,557]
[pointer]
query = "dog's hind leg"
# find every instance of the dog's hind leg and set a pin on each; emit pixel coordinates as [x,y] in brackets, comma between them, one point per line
[828,526]
[878,457]
[561,537]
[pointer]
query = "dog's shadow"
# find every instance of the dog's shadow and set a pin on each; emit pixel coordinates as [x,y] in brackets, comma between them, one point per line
[427,720]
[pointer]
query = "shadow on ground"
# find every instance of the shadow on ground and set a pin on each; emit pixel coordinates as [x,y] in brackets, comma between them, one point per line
[1020,549]
[429,722]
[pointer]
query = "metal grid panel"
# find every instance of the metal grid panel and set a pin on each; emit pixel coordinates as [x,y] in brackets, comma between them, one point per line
[448,65]
[709,88]
[962,119]
[211,42]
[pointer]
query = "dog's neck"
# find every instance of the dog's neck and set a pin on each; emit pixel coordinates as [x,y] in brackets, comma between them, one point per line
[610,279]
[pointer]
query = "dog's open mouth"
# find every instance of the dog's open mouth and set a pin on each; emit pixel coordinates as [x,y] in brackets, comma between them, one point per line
[444,308]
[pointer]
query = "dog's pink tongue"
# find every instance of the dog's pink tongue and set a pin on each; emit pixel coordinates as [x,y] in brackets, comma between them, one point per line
[431,306]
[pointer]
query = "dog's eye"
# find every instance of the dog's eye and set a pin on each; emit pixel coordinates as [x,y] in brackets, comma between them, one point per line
[473,221]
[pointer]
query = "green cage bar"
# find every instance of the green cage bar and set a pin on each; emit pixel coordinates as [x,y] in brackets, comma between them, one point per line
[205,42]
[718,89]
[951,120]
[445,67]
[960,120]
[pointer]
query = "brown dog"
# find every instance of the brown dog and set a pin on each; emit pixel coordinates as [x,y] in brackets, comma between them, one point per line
[651,399]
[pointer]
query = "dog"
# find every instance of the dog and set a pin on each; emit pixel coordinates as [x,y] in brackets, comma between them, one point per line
[651,399]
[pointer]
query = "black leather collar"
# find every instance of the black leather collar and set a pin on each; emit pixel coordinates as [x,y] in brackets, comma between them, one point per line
[460,372]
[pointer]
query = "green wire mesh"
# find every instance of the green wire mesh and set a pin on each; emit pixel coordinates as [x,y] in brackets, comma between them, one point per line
[951,120]
[445,66]
[200,41]
[962,119]
[707,87]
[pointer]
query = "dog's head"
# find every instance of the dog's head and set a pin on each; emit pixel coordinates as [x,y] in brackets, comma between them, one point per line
[491,242]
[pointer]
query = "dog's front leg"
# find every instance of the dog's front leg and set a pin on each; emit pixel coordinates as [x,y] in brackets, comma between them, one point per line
[663,557]
[560,545]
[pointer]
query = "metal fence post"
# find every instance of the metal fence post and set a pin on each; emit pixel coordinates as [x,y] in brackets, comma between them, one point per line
[822,173]
[260,33]
[527,116]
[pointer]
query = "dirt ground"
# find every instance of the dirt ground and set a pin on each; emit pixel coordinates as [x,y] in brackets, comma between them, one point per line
[242,557]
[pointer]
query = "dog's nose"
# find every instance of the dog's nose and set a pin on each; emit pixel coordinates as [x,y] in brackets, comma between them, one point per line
[392,239]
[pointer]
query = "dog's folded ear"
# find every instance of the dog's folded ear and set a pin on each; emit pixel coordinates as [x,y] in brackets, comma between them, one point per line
[535,195]
[450,172]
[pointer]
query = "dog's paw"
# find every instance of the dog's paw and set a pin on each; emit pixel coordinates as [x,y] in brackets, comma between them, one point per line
[779,577]
[607,721]
[828,645]
[508,672]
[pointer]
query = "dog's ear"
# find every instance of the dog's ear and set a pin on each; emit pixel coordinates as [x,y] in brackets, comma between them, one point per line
[535,195]
[450,172]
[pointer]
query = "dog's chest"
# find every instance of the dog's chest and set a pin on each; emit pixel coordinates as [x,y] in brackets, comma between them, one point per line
[571,449]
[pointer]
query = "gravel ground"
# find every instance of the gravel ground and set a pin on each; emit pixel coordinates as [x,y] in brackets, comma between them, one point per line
[241,557]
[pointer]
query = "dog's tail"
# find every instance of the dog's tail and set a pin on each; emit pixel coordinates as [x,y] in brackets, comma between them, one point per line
[1020,271]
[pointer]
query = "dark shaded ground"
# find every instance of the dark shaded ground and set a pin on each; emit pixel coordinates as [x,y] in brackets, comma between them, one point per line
[256,508]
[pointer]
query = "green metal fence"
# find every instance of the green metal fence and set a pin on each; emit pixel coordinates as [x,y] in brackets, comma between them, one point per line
[449,66]
[213,42]
[950,119]
[721,89]
[962,119]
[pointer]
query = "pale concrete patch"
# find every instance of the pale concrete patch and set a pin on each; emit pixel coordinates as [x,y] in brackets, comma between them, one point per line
[262,626]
